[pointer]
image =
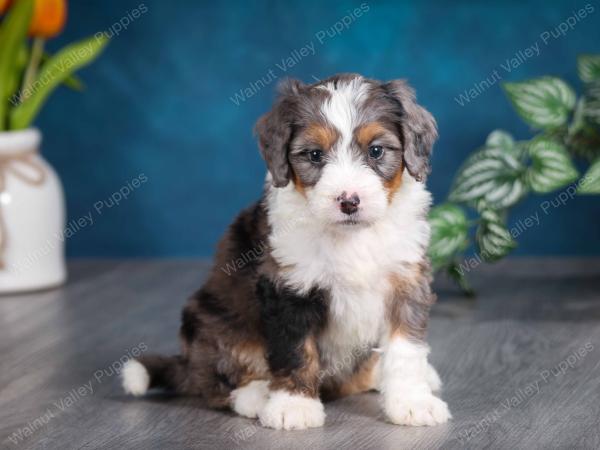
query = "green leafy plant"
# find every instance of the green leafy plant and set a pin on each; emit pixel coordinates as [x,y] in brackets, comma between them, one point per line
[28,74]
[501,173]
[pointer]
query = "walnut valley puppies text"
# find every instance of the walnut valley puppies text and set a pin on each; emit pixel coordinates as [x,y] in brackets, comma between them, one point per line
[50,73]
[75,395]
[525,393]
[117,197]
[84,221]
[532,220]
[124,22]
[293,58]
[524,54]
[101,206]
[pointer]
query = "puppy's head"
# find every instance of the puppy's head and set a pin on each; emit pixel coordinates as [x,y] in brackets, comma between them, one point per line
[345,143]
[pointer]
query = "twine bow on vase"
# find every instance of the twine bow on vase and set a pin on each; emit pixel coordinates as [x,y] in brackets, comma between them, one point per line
[26,168]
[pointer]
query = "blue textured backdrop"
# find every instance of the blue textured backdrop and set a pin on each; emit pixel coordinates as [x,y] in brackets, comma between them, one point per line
[159,103]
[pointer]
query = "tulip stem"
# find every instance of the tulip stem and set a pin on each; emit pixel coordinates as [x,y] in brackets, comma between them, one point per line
[37,50]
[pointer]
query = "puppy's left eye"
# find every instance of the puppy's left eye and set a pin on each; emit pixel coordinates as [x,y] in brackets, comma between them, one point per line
[375,151]
[315,156]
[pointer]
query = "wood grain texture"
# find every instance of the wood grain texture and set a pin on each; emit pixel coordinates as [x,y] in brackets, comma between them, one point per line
[511,363]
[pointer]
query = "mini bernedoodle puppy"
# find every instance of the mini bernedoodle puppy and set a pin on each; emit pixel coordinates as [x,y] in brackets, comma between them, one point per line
[322,288]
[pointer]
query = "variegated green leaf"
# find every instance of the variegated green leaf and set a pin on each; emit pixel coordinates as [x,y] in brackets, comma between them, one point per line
[500,139]
[544,102]
[491,175]
[578,120]
[590,183]
[591,102]
[588,67]
[503,140]
[449,233]
[493,238]
[551,166]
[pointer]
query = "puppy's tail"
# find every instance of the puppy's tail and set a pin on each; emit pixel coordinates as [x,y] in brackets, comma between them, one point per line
[154,371]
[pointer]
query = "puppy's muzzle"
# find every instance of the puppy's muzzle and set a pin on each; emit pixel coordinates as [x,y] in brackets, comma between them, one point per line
[348,205]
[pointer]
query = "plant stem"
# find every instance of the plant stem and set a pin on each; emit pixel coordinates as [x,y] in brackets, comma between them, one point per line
[37,50]
[460,279]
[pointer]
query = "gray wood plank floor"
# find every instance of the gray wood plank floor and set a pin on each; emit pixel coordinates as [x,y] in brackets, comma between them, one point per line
[521,365]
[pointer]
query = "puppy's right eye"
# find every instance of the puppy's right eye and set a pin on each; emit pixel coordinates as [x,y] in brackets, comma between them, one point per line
[315,156]
[375,151]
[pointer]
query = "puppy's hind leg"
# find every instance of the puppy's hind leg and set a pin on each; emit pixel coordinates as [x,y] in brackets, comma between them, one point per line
[177,375]
[155,371]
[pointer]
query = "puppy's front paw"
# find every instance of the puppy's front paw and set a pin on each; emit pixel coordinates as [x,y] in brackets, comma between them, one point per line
[416,409]
[248,400]
[291,412]
[433,379]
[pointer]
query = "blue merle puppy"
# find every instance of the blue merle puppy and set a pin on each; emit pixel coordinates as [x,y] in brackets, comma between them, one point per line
[334,294]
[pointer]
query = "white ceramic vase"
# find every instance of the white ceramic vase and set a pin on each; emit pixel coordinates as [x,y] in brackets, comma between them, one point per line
[32,216]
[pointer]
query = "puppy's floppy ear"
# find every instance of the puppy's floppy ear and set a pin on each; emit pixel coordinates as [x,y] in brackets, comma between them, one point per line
[274,131]
[419,130]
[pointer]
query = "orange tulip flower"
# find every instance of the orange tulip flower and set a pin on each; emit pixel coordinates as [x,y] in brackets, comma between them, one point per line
[4,4]
[49,17]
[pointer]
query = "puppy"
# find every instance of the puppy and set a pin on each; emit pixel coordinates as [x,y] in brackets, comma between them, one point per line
[321,288]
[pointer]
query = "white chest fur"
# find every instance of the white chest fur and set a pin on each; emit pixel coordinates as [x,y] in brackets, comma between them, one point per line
[353,264]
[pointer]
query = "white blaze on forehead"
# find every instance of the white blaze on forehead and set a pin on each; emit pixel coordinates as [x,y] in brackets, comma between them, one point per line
[341,109]
[347,170]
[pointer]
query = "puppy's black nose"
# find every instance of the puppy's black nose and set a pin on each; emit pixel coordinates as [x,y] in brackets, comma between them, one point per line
[348,205]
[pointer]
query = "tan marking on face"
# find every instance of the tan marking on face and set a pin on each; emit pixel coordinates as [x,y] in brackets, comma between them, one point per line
[367,133]
[394,184]
[321,135]
[298,185]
